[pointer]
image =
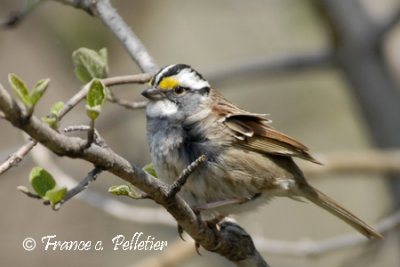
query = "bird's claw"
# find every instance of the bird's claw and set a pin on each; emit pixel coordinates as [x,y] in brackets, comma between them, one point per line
[180,232]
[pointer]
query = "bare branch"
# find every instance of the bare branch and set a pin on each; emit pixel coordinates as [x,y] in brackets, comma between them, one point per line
[127,79]
[386,26]
[129,104]
[15,158]
[86,5]
[177,185]
[118,209]
[118,80]
[131,42]
[269,65]
[80,187]
[84,128]
[26,191]
[104,10]
[17,16]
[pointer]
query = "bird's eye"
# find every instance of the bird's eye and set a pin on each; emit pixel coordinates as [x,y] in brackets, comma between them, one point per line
[179,90]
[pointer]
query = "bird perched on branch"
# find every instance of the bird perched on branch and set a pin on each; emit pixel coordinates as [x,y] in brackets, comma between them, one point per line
[248,161]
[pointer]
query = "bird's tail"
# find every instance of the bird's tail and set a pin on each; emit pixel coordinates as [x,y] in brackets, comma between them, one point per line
[330,205]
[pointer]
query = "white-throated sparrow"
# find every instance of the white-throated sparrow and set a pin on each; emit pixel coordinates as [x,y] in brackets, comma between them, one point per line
[248,161]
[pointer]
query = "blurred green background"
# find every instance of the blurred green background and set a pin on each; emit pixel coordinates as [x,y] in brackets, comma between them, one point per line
[313,106]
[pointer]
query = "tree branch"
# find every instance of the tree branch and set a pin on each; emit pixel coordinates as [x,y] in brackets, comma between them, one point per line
[386,26]
[84,128]
[17,16]
[85,5]
[107,14]
[15,158]
[118,209]
[125,35]
[106,159]
[81,186]
[118,80]
[181,180]
[124,211]
[129,104]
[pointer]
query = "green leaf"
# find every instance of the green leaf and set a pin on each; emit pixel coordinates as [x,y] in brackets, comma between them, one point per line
[51,120]
[20,89]
[119,190]
[90,64]
[56,108]
[41,181]
[94,112]
[103,53]
[124,190]
[95,99]
[38,90]
[96,95]
[55,195]
[149,168]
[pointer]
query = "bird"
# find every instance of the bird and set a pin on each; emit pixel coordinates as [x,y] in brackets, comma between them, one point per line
[248,162]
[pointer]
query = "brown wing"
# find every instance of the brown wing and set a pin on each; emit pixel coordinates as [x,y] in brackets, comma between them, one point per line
[253,133]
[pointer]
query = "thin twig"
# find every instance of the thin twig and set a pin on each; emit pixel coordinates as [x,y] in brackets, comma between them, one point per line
[127,79]
[118,80]
[386,26]
[86,5]
[109,205]
[81,186]
[177,185]
[129,104]
[15,158]
[70,193]
[30,194]
[90,133]
[132,44]
[84,128]
[16,17]
[26,191]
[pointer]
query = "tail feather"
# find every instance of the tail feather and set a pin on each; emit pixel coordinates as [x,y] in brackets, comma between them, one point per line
[330,205]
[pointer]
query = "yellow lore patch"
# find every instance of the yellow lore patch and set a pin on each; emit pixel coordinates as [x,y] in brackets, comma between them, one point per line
[168,83]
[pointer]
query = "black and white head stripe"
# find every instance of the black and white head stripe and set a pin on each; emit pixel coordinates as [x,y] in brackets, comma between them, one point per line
[179,75]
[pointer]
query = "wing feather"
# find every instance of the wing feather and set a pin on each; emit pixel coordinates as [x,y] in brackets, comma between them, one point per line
[253,133]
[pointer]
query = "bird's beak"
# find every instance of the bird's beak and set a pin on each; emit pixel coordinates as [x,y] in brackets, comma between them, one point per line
[152,93]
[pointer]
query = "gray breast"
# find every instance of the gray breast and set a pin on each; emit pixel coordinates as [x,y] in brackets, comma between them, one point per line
[173,146]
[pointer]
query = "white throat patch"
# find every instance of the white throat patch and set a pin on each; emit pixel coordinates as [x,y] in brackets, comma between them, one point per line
[161,108]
